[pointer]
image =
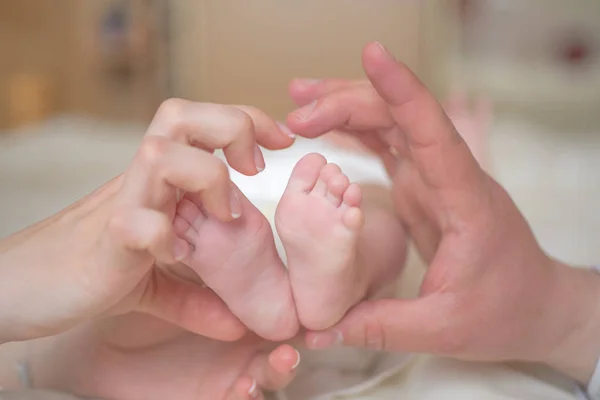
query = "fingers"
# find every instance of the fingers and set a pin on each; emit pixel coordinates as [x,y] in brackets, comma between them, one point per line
[276,370]
[162,166]
[182,303]
[190,306]
[439,152]
[400,105]
[392,325]
[245,388]
[214,126]
[356,108]
[305,91]
[271,372]
[269,134]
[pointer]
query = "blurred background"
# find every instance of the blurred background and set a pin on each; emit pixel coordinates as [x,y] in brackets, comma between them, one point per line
[80,80]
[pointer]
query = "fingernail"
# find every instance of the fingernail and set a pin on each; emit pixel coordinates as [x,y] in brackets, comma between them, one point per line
[305,112]
[295,366]
[181,250]
[234,204]
[286,130]
[309,82]
[258,159]
[253,391]
[324,340]
[386,51]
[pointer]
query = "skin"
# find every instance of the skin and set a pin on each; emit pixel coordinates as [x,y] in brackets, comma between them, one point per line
[126,229]
[490,293]
[115,251]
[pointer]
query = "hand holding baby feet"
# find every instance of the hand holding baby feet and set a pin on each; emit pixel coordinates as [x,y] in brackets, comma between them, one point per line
[137,357]
[238,260]
[319,220]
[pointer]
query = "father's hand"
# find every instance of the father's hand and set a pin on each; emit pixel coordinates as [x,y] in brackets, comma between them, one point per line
[490,292]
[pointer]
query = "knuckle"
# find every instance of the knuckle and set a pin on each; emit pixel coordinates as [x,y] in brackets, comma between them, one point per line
[171,109]
[162,232]
[117,224]
[241,125]
[374,335]
[170,116]
[152,150]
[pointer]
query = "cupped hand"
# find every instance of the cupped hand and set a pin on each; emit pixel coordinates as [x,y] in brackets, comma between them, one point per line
[490,292]
[140,357]
[113,251]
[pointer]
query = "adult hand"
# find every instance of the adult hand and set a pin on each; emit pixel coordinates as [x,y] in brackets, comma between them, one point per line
[140,357]
[110,252]
[490,292]
[472,123]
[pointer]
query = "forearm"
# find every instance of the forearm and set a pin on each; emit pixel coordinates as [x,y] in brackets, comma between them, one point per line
[382,246]
[43,364]
[578,303]
[39,254]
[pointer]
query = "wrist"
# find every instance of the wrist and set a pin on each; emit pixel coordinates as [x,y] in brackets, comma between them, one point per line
[12,355]
[577,305]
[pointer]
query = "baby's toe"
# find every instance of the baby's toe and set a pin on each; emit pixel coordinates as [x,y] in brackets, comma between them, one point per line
[183,229]
[188,210]
[353,219]
[306,172]
[336,187]
[353,195]
[327,172]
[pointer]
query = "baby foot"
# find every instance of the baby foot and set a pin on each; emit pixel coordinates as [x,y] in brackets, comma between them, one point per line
[238,260]
[318,220]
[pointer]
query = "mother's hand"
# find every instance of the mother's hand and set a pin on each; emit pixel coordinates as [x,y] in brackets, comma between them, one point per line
[490,292]
[100,256]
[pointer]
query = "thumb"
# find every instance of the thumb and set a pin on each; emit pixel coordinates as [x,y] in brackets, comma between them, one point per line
[190,306]
[390,325]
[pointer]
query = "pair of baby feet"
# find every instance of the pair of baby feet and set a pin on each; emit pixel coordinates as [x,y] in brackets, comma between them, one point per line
[318,220]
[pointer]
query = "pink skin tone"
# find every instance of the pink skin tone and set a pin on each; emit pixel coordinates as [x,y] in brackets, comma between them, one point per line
[239,261]
[113,254]
[319,214]
[107,254]
[490,293]
[139,357]
[318,219]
